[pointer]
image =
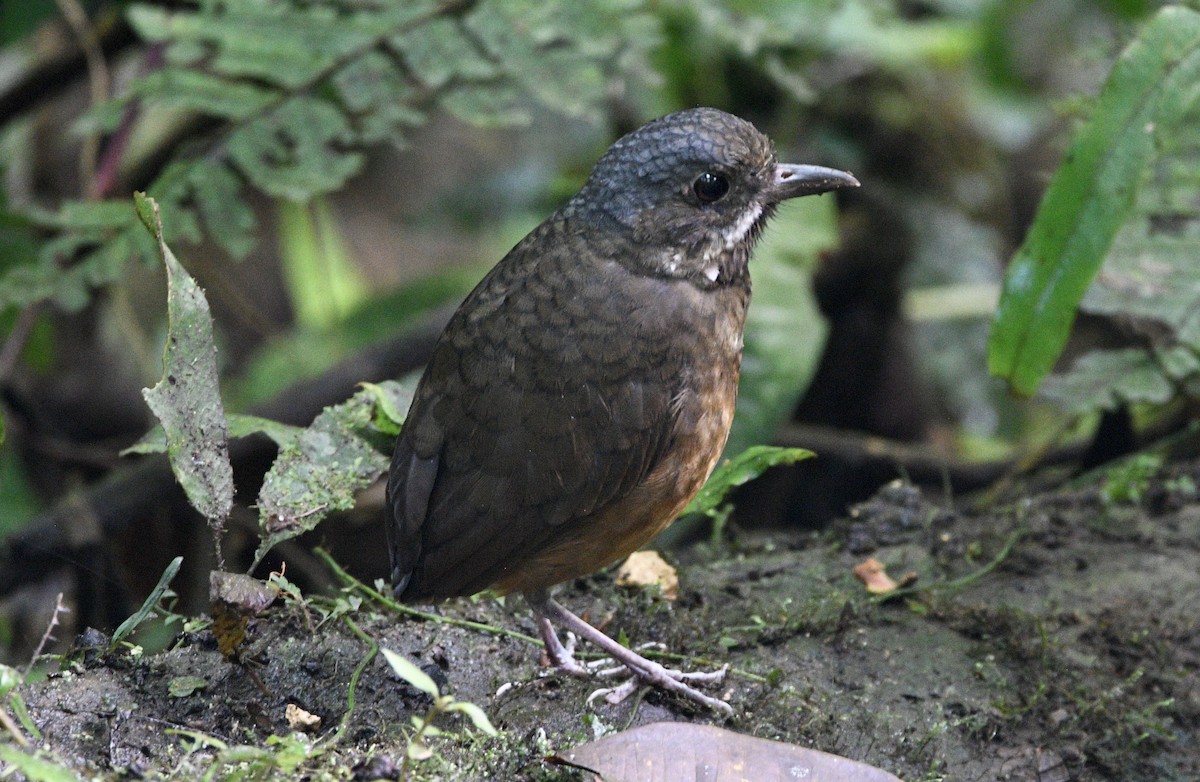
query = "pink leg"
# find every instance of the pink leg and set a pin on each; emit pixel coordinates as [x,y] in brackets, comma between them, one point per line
[549,610]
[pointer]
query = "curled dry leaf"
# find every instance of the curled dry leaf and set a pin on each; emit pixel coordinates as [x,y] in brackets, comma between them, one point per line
[665,751]
[235,598]
[645,568]
[874,575]
[301,720]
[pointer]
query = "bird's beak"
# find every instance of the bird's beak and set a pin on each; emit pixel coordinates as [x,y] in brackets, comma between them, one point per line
[792,181]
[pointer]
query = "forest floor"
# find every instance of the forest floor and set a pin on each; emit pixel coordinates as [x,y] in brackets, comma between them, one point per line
[1054,638]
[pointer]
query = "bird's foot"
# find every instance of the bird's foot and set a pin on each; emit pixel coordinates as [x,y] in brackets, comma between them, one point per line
[644,670]
[618,693]
[607,667]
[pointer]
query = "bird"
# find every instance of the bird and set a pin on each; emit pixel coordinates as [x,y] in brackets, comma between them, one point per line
[583,392]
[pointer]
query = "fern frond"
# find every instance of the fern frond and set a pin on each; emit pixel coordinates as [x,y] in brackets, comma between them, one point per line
[292,94]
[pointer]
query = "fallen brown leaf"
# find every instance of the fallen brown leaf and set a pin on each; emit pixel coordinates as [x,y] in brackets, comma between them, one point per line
[301,720]
[646,568]
[669,751]
[874,575]
[235,598]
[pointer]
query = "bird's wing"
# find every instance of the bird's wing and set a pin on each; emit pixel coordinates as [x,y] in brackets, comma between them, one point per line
[547,397]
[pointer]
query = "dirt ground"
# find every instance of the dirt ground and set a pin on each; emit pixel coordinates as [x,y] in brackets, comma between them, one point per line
[1052,638]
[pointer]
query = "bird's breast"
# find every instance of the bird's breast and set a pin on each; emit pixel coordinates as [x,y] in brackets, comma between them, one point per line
[692,343]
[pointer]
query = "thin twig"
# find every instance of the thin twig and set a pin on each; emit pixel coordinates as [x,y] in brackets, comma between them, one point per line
[108,164]
[99,82]
[13,728]
[59,608]
[15,343]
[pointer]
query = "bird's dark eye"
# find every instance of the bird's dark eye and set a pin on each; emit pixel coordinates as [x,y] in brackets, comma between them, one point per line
[710,187]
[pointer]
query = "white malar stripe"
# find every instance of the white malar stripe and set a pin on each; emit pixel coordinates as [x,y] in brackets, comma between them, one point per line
[737,233]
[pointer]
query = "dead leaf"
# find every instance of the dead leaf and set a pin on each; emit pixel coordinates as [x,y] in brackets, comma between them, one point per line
[874,575]
[667,751]
[301,720]
[645,568]
[245,594]
[235,598]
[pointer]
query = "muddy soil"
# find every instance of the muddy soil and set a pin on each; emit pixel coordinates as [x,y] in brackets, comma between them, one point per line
[1053,638]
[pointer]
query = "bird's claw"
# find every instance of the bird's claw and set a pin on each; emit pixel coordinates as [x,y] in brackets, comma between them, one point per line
[620,660]
[616,695]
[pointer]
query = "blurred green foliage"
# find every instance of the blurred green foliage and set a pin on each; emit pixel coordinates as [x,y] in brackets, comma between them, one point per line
[1126,201]
[255,114]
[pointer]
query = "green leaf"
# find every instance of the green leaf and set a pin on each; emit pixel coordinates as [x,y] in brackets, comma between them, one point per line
[531,39]
[10,679]
[175,192]
[240,425]
[36,766]
[287,45]
[379,98]
[94,215]
[1104,379]
[320,471]
[183,686]
[392,401]
[439,51]
[290,95]
[227,216]
[297,150]
[208,192]
[489,106]
[23,716]
[93,247]
[476,715]
[1150,276]
[29,283]
[192,90]
[1129,479]
[409,672]
[741,469]
[153,441]
[187,400]
[148,605]
[324,283]
[1151,86]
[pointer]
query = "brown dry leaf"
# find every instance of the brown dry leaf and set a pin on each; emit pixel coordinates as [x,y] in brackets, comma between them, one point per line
[301,720]
[669,751]
[644,568]
[873,573]
[245,594]
[235,598]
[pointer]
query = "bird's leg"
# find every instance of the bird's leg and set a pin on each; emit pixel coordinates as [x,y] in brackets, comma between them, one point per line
[561,657]
[549,610]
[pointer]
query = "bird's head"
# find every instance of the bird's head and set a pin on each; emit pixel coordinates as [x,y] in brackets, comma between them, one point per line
[693,189]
